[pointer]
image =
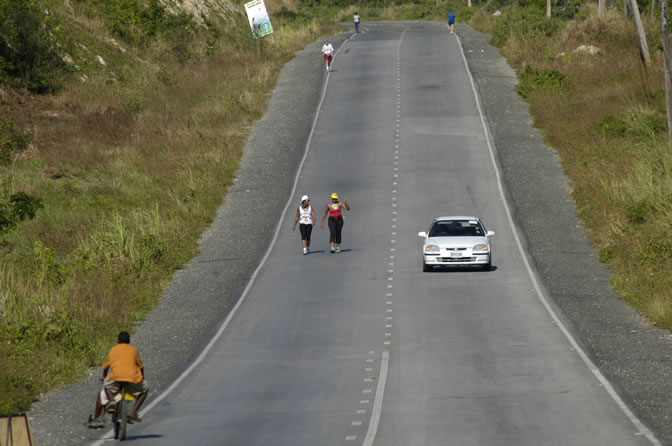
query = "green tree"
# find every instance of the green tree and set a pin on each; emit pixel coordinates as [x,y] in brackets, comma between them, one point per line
[28,55]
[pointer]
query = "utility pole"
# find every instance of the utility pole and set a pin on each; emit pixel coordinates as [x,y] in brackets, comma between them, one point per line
[643,47]
[601,6]
[548,9]
[625,9]
[666,62]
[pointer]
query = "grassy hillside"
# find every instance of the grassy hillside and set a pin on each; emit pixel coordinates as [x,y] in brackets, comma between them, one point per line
[121,129]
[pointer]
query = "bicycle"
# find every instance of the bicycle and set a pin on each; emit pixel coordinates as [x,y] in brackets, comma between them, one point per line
[118,407]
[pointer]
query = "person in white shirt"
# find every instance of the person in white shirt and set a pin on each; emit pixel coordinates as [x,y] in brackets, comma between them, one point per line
[328,53]
[305,216]
[356,17]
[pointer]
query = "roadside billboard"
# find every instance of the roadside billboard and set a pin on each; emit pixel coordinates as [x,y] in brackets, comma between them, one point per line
[258,18]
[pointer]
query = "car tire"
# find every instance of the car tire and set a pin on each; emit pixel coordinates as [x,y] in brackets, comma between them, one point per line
[487,266]
[426,268]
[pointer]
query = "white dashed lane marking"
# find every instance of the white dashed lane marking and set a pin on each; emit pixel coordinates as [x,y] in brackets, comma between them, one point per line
[378,400]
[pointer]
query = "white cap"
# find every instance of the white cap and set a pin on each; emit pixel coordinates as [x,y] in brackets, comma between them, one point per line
[304,198]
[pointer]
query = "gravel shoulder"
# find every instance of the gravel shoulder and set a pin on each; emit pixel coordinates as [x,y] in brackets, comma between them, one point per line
[635,356]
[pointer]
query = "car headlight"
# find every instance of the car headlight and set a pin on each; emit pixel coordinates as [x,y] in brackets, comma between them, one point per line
[481,247]
[432,248]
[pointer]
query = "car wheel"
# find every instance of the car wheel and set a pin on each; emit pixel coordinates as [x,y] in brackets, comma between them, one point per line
[487,266]
[426,268]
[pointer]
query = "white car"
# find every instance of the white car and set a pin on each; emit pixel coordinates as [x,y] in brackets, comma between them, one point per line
[457,240]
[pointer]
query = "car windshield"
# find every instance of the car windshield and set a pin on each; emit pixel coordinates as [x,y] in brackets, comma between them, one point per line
[456,228]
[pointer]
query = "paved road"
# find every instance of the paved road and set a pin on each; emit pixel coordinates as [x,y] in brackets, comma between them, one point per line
[326,345]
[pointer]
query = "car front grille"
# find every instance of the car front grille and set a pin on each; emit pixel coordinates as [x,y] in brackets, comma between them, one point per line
[456,259]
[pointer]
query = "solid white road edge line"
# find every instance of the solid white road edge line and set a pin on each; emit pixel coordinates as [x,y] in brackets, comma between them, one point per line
[377,401]
[227,321]
[593,368]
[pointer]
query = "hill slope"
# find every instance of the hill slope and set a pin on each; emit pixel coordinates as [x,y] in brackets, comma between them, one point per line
[122,128]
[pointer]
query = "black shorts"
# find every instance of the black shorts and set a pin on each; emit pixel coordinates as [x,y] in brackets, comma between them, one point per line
[305,231]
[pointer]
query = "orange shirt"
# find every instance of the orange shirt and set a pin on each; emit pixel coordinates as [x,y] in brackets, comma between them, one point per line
[125,362]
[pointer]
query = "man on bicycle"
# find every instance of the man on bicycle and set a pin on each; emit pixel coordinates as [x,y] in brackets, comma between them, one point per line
[126,370]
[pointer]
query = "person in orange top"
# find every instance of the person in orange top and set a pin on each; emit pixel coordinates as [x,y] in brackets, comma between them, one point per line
[123,366]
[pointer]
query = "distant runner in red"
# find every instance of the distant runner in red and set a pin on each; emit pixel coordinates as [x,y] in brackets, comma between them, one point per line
[328,53]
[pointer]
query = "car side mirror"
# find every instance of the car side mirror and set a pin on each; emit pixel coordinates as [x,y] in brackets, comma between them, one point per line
[490,233]
[422,234]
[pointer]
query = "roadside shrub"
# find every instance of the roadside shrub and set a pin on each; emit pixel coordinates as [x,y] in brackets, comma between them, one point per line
[637,212]
[18,208]
[527,24]
[28,48]
[653,251]
[11,142]
[139,23]
[606,254]
[289,16]
[532,79]
[644,121]
[639,121]
[611,126]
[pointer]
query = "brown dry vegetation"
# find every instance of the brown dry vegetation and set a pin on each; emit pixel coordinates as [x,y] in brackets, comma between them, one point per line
[608,127]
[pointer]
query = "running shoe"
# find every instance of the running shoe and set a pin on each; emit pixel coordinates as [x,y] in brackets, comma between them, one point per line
[333,250]
[338,250]
[305,251]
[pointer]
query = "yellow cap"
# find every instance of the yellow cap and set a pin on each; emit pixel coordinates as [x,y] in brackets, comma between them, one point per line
[334,196]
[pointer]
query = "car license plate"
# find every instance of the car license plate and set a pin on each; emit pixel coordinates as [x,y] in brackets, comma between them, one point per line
[456,254]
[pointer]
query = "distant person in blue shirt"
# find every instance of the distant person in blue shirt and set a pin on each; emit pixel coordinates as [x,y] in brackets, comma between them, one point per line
[451,21]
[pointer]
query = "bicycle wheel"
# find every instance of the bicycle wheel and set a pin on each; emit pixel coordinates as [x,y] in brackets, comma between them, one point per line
[122,418]
[115,418]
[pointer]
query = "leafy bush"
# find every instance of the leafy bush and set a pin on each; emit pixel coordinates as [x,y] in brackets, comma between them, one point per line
[28,53]
[654,251]
[606,254]
[142,22]
[644,121]
[637,212]
[532,79]
[19,207]
[523,23]
[289,16]
[610,126]
[10,142]
[639,121]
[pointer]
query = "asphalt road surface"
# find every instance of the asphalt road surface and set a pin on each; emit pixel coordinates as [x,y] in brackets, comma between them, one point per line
[364,348]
